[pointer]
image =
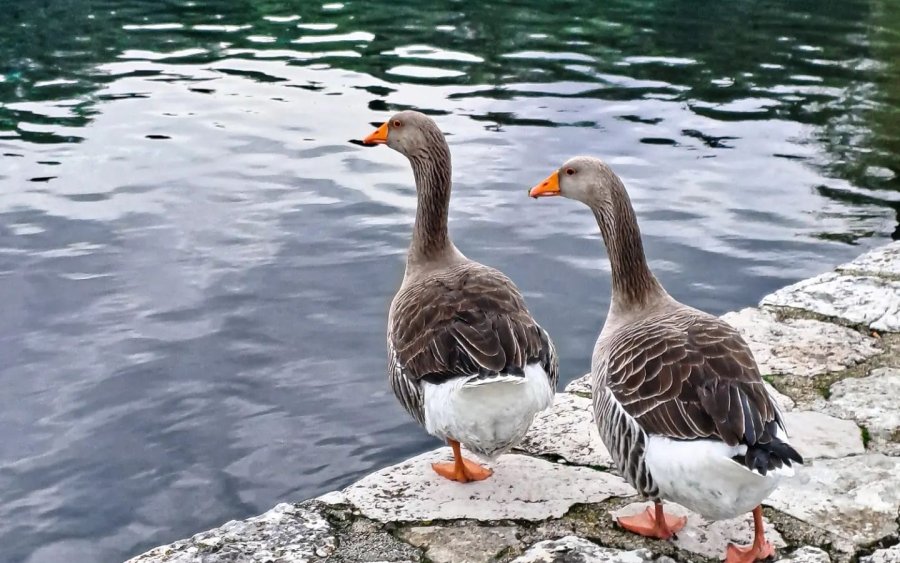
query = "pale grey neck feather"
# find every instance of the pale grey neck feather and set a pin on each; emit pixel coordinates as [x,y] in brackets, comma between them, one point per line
[432,170]
[622,313]
[635,290]
[419,266]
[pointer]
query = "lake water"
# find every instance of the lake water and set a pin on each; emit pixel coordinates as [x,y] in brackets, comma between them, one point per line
[196,264]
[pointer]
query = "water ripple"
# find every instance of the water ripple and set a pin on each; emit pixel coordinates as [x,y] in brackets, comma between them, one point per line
[196,265]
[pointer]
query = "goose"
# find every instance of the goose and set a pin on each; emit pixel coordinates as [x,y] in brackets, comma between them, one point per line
[466,358]
[677,396]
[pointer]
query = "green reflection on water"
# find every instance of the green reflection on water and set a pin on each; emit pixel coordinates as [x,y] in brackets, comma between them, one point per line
[830,64]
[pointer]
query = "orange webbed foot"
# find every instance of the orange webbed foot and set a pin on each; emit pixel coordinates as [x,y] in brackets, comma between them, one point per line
[749,554]
[646,524]
[759,550]
[463,472]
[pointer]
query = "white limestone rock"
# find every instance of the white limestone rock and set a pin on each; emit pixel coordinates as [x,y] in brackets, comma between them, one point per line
[582,386]
[521,488]
[365,541]
[871,401]
[865,300]
[567,430]
[816,435]
[287,533]
[800,347]
[706,538]
[572,549]
[785,403]
[855,498]
[888,555]
[462,544]
[807,554]
[882,261]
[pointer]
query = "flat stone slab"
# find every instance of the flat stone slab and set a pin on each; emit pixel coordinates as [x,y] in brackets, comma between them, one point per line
[785,403]
[873,402]
[567,431]
[807,554]
[521,488]
[855,498]
[287,533]
[801,347]
[882,261]
[864,300]
[582,386]
[366,542]
[462,544]
[889,555]
[817,435]
[572,549]
[706,538]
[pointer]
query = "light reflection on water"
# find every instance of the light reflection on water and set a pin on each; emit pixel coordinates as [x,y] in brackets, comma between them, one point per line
[195,264]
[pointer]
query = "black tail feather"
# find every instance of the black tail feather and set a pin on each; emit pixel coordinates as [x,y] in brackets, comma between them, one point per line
[765,457]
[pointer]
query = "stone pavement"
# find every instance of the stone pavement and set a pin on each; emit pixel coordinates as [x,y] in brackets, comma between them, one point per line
[828,346]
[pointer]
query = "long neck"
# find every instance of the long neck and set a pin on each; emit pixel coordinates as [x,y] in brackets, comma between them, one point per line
[633,284]
[431,168]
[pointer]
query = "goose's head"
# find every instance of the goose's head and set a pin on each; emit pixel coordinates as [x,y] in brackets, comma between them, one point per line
[408,132]
[582,178]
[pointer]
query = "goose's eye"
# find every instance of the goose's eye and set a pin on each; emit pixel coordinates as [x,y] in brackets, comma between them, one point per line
[570,171]
[397,123]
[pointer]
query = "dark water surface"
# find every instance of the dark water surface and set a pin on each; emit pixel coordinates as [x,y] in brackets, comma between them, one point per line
[195,264]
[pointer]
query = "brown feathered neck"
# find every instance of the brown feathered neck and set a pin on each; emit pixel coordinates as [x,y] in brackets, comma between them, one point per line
[432,171]
[633,284]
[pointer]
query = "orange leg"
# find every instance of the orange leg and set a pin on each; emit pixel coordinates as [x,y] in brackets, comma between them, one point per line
[653,523]
[758,551]
[461,469]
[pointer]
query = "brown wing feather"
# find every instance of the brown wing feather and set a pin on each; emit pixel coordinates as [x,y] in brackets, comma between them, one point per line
[469,320]
[689,375]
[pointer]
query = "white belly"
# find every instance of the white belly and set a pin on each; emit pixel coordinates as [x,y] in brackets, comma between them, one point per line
[487,416]
[700,475]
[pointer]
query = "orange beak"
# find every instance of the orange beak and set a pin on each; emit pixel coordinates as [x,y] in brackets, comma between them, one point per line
[379,136]
[547,188]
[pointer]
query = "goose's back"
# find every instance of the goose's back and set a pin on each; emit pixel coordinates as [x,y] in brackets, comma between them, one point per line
[467,319]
